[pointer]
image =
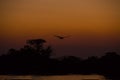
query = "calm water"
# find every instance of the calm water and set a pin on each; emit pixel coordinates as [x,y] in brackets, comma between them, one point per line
[63,77]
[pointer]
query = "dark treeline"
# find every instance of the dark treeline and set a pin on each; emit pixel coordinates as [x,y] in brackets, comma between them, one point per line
[35,59]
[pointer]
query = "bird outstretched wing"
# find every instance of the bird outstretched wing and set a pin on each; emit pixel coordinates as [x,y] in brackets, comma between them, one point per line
[61,37]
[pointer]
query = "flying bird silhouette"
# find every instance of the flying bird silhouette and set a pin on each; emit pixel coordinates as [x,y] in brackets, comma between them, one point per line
[61,37]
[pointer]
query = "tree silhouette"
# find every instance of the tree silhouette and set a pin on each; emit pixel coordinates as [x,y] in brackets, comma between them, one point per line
[36,43]
[35,58]
[109,64]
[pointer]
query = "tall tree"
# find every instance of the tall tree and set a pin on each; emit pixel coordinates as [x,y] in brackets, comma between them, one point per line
[36,43]
[38,46]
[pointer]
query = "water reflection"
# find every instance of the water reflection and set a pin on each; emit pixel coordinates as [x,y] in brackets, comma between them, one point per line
[58,77]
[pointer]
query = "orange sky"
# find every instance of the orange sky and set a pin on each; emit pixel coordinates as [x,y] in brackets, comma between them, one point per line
[91,23]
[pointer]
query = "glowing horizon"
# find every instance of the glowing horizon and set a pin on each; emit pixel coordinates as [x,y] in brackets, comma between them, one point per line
[93,23]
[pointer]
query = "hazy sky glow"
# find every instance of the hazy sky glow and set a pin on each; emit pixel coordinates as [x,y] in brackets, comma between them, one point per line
[93,24]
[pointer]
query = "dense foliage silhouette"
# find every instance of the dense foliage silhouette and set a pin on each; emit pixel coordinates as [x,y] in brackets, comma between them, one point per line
[35,59]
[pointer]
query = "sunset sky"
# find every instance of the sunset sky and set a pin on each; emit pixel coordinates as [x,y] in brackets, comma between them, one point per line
[93,25]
